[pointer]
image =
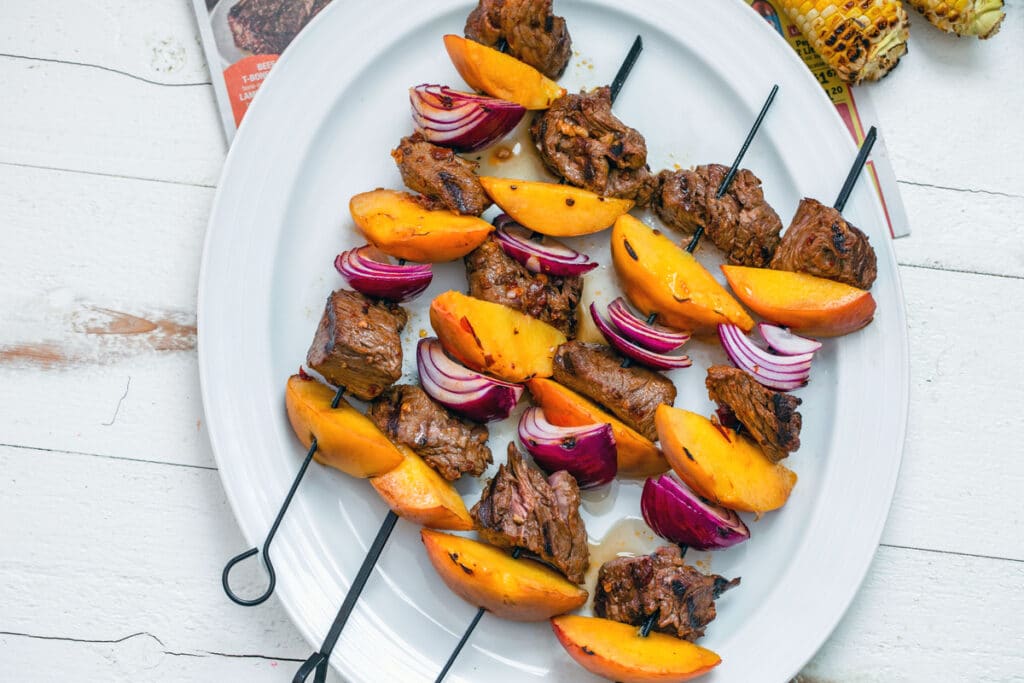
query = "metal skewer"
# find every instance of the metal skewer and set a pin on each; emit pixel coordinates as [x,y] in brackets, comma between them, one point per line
[271,574]
[858,166]
[616,86]
[723,187]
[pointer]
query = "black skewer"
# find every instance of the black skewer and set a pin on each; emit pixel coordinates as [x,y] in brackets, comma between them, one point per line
[858,166]
[727,180]
[627,66]
[516,552]
[271,574]
[319,660]
[626,362]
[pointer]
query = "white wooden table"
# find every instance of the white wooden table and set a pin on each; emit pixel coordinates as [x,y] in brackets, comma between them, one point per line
[113,524]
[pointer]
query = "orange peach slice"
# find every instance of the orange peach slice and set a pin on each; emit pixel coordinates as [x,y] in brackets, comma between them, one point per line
[807,304]
[721,465]
[660,277]
[637,455]
[484,576]
[618,652]
[553,209]
[501,75]
[398,225]
[492,338]
[419,494]
[345,438]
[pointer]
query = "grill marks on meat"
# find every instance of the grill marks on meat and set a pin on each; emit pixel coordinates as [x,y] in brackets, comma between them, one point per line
[266,27]
[741,223]
[770,417]
[357,343]
[520,508]
[630,589]
[632,394]
[820,242]
[497,277]
[579,139]
[450,445]
[531,31]
[437,173]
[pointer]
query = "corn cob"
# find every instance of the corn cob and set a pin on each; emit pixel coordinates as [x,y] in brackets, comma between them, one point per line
[963,17]
[862,40]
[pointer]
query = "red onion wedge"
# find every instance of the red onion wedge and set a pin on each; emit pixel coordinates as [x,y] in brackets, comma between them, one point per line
[648,335]
[369,272]
[546,256]
[782,341]
[478,397]
[633,350]
[587,452]
[782,373]
[463,121]
[677,514]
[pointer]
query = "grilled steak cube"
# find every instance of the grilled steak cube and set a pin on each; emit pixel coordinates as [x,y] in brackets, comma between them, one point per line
[444,178]
[770,417]
[580,140]
[519,508]
[820,242]
[630,589]
[532,33]
[357,344]
[449,444]
[741,223]
[266,27]
[632,394]
[497,277]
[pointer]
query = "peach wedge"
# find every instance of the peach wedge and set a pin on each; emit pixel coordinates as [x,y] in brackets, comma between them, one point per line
[501,75]
[658,276]
[805,303]
[721,465]
[492,338]
[618,652]
[345,438]
[419,494]
[485,576]
[398,225]
[637,455]
[553,209]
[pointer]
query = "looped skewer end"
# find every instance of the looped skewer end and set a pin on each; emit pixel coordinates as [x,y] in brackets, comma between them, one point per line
[316,662]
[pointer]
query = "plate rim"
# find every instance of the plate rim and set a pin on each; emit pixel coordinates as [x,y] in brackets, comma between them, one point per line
[204,340]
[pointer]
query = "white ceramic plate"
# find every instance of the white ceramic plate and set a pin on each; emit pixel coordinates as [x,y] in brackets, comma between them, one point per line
[320,131]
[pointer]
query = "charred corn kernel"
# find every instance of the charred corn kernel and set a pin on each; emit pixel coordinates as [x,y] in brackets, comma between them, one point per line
[862,40]
[963,17]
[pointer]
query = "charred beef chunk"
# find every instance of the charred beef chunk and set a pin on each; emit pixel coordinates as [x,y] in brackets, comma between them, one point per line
[579,139]
[519,508]
[437,173]
[820,242]
[357,344]
[770,417]
[531,31]
[632,394]
[741,223]
[497,277]
[450,445]
[265,27]
[630,589]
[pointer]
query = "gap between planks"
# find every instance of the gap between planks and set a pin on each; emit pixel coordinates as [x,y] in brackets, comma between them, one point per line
[101,67]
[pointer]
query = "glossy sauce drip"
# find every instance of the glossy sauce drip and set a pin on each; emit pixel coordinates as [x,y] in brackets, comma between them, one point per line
[512,157]
[627,537]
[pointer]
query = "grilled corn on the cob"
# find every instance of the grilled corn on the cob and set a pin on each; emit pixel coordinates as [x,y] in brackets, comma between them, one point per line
[963,17]
[862,40]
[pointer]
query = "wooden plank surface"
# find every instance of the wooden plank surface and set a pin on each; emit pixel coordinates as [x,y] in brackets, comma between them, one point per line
[109,147]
